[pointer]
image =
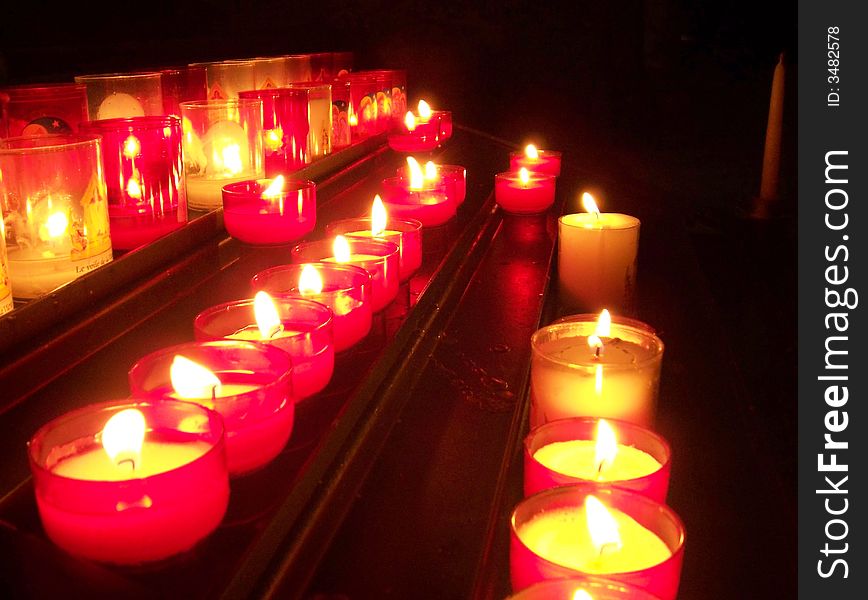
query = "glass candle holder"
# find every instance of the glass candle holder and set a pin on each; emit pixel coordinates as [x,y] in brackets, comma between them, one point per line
[144,174]
[363,98]
[319,117]
[120,95]
[563,452]
[398,82]
[417,140]
[549,539]
[597,261]
[222,144]
[305,334]
[6,303]
[226,78]
[568,378]
[286,128]
[322,66]
[345,289]
[382,80]
[257,216]
[453,176]
[342,63]
[430,204]
[270,71]
[43,109]
[182,84]
[548,162]
[598,588]
[444,120]
[55,210]
[380,259]
[524,196]
[298,67]
[406,233]
[255,397]
[151,505]
[342,111]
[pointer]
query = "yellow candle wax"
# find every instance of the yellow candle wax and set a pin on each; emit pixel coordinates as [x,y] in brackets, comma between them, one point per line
[252,333]
[577,458]
[366,233]
[156,457]
[354,258]
[561,536]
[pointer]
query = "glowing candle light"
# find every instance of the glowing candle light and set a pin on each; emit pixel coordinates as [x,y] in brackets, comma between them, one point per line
[524,192]
[267,212]
[546,162]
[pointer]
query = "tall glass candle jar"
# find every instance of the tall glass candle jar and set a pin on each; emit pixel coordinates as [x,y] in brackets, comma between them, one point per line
[569,378]
[319,117]
[42,109]
[182,84]
[363,97]
[55,210]
[222,144]
[298,67]
[270,71]
[226,78]
[342,63]
[321,66]
[132,481]
[144,175]
[342,114]
[118,95]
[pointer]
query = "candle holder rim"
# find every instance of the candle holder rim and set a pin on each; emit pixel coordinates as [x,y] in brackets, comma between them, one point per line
[658,346]
[618,424]
[532,176]
[552,153]
[47,88]
[320,326]
[395,180]
[214,418]
[416,224]
[596,582]
[235,188]
[392,248]
[606,490]
[633,222]
[222,103]
[42,143]
[133,122]
[307,85]
[356,270]
[127,75]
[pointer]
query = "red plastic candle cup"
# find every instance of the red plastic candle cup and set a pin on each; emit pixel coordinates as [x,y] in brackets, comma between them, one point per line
[453,176]
[548,162]
[564,451]
[380,259]
[46,108]
[406,233]
[363,99]
[254,397]
[182,84]
[430,205]
[305,333]
[411,141]
[130,505]
[120,95]
[520,196]
[549,539]
[598,588]
[285,128]
[444,119]
[345,289]
[144,173]
[254,214]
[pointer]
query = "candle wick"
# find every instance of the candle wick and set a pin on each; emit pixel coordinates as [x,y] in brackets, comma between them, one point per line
[598,350]
[130,460]
[213,393]
[608,547]
[600,469]
[275,330]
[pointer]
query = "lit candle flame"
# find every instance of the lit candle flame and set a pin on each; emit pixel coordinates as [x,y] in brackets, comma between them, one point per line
[590,205]
[310,281]
[530,151]
[56,224]
[353,120]
[228,159]
[274,189]
[410,121]
[267,318]
[132,147]
[430,171]
[524,176]
[606,447]
[417,178]
[424,110]
[192,381]
[274,139]
[582,595]
[379,217]
[601,526]
[123,436]
[604,324]
[134,190]
[341,249]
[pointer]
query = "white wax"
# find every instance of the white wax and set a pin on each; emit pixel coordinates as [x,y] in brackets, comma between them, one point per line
[156,457]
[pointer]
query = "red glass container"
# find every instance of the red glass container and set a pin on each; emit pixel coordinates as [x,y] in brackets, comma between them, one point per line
[597,588]
[346,290]
[255,398]
[430,204]
[144,173]
[306,335]
[418,140]
[363,98]
[286,128]
[517,196]
[173,495]
[226,78]
[549,162]
[255,216]
[342,63]
[552,514]
[583,430]
[182,84]
[46,108]
[121,95]
[342,111]
[380,259]
[453,176]
[319,117]
[406,233]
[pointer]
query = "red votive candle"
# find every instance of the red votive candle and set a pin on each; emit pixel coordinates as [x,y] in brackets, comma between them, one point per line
[268,212]
[363,103]
[428,203]
[444,118]
[537,161]
[596,588]
[571,451]
[248,384]
[301,328]
[183,84]
[380,259]
[46,108]
[453,176]
[144,173]
[524,192]
[406,233]
[634,539]
[130,482]
[345,289]
[285,128]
